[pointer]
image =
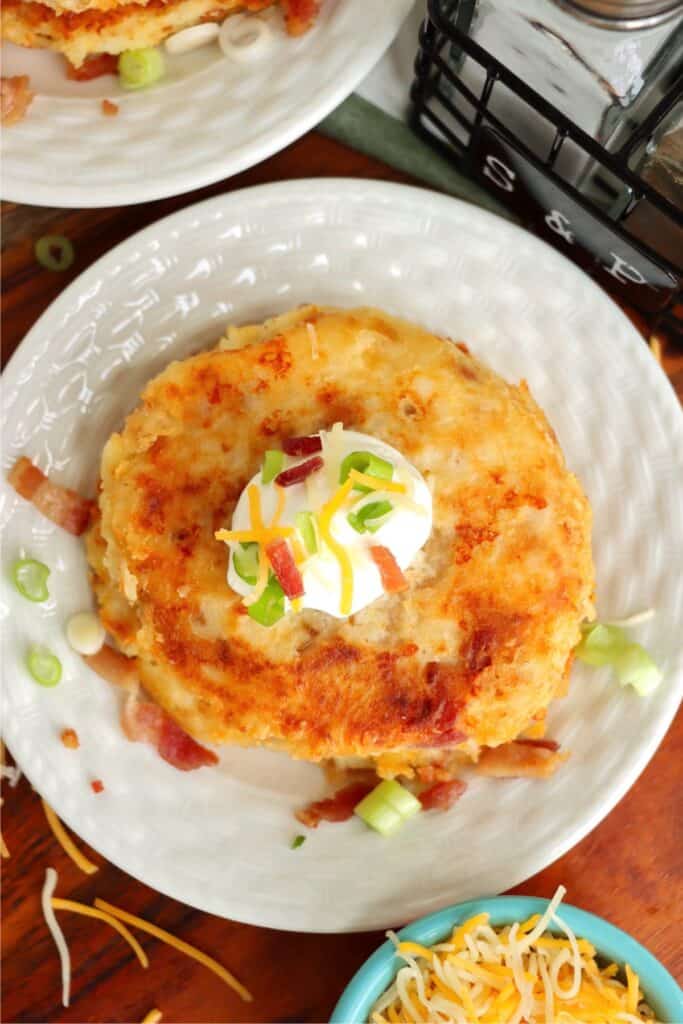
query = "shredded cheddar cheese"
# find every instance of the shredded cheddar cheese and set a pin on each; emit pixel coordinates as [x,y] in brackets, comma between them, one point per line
[261,536]
[81,908]
[280,507]
[67,844]
[313,338]
[375,484]
[338,550]
[153,1017]
[510,975]
[182,947]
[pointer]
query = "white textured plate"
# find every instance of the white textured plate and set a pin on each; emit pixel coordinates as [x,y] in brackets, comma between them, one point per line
[219,838]
[209,118]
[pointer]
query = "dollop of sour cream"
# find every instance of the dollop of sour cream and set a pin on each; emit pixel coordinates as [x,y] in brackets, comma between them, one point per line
[403,531]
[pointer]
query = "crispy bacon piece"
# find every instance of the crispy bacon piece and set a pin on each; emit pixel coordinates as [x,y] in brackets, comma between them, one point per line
[93,67]
[15,98]
[302,445]
[520,759]
[393,579]
[295,474]
[300,15]
[69,738]
[114,666]
[145,722]
[542,743]
[442,795]
[97,785]
[59,504]
[335,808]
[109,109]
[285,568]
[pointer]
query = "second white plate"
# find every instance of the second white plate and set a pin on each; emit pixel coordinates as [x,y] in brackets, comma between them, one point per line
[208,119]
[220,838]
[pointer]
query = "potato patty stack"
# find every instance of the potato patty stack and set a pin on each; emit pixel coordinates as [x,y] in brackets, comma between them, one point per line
[84,30]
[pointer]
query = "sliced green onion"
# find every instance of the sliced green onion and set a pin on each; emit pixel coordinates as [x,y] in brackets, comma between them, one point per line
[634,667]
[54,252]
[246,562]
[600,644]
[139,68]
[365,462]
[273,461]
[270,606]
[305,524]
[44,666]
[362,520]
[298,841]
[388,807]
[609,645]
[30,579]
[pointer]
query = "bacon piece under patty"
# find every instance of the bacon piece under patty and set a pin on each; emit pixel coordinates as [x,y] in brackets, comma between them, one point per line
[543,744]
[61,505]
[179,749]
[93,67]
[300,15]
[338,807]
[15,98]
[442,795]
[113,666]
[285,569]
[520,759]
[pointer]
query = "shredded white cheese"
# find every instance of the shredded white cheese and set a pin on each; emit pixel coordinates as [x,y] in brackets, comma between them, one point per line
[56,932]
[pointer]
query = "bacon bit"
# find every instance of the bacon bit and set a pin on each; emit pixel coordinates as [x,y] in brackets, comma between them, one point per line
[302,445]
[393,579]
[145,722]
[285,568]
[97,786]
[70,739]
[113,666]
[109,109]
[61,505]
[542,743]
[442,795]
[519,760]
[15,98]
[300,15]
[93,67]
[180,750]
[339,807]
[296,474]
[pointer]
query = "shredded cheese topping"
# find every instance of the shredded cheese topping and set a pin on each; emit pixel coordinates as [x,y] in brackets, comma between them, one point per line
[510,975]
[153,1017]
[66,843]
[375,483]
[56,932]
[81,908]
[182,947]
[337,549]
[261,536]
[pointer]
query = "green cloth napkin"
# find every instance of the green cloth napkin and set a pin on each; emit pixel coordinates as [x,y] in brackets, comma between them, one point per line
[365,127]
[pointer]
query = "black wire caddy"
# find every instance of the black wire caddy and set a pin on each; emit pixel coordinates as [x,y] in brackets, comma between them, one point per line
[592,223]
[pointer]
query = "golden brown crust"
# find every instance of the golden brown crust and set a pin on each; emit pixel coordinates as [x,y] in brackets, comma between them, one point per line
[477,645]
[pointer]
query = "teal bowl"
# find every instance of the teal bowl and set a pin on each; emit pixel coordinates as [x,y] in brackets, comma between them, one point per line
[663,994]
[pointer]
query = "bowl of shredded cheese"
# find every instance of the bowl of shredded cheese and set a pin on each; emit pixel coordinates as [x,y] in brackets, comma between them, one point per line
[511,960]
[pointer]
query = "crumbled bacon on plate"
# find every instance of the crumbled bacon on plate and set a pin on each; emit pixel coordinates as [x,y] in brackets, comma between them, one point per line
[70,739]
[97,785]
[442,795]
[15,98]
[338,807]
[300,15]
[521,759]
[93,67]
[109,109]
[61,505]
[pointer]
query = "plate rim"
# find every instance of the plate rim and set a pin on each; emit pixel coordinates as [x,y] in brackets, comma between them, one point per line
[344,188]
[13,189]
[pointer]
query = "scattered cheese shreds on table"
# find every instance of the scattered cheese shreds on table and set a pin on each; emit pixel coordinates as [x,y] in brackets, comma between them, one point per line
[153,1017]
[182,947]
[508,975]
[67,844]
[81,908]
[56,932]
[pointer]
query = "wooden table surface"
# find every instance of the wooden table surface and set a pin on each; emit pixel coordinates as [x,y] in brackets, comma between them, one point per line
[629,869]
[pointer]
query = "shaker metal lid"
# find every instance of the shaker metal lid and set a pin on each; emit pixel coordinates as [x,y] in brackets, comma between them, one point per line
[624,15]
